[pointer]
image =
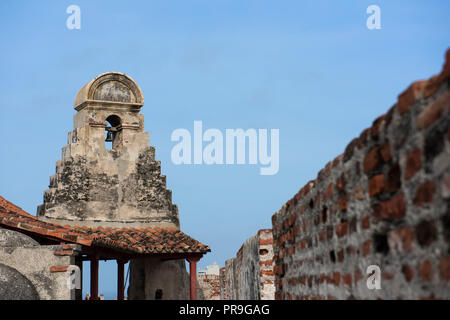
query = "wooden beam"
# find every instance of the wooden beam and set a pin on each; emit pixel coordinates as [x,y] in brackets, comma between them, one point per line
[109,254]
[120,279]
[94,279]
[193,276]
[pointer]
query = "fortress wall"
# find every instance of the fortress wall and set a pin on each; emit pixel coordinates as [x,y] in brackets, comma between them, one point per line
[384,201]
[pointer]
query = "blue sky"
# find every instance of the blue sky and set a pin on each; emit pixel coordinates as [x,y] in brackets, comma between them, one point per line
[311,69]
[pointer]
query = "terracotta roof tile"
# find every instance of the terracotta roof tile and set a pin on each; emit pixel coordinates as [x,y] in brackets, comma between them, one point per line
[139,240]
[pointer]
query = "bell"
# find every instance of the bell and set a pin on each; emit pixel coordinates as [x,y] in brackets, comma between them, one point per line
[109,137]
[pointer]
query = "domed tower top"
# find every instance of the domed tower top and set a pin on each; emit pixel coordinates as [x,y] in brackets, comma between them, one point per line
[113,88]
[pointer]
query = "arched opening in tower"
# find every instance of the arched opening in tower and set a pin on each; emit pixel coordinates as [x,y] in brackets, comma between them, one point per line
[112,132]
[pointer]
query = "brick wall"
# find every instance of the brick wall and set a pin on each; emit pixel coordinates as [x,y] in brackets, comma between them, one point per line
[249,276]
[384,201]
[208,287]
[266,275]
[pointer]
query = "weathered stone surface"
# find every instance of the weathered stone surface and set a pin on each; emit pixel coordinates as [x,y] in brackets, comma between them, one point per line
[96,185]
[15,286]
[152,279]
[9,240]
[34,263]
[250,275]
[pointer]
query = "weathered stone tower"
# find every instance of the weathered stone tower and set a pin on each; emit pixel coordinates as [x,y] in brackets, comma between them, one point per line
[94,185]
[121,186]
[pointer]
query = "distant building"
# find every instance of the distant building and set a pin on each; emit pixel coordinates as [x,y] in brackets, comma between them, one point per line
[211,269]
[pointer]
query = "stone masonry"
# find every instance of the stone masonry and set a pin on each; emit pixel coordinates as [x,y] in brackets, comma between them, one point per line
[94,184]
[117,187]
[29,271]
[208,283]
[384,201]
[249,276]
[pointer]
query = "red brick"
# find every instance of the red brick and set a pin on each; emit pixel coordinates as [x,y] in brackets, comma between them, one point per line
[385,152]
[340,256]
[393,180]
[394,208]
[335,278]
[372,160]
[425,270]
[434,111]
[297,230]
[424,193]
[409,96]
[401,239]
[363,136]
[266,272]
[342,229]
[413,163]
[340,184]
[407,272]
[366,248]
[375,129]
[444,268]
[445,73]
[63,253]
[67,246]
[330,190]
[432,85]
[303,244]
[347,279]
[425,233]
[342,203]
[279,269]
[59,269]
[365,222]
[322,235]
[376,185]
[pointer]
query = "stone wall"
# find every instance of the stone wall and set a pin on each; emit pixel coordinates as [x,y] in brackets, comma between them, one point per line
[208,287]
[153,278]
[384,201]
[29,271]
[249,276]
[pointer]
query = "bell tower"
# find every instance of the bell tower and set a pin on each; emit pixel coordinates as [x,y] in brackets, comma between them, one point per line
[108,174]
